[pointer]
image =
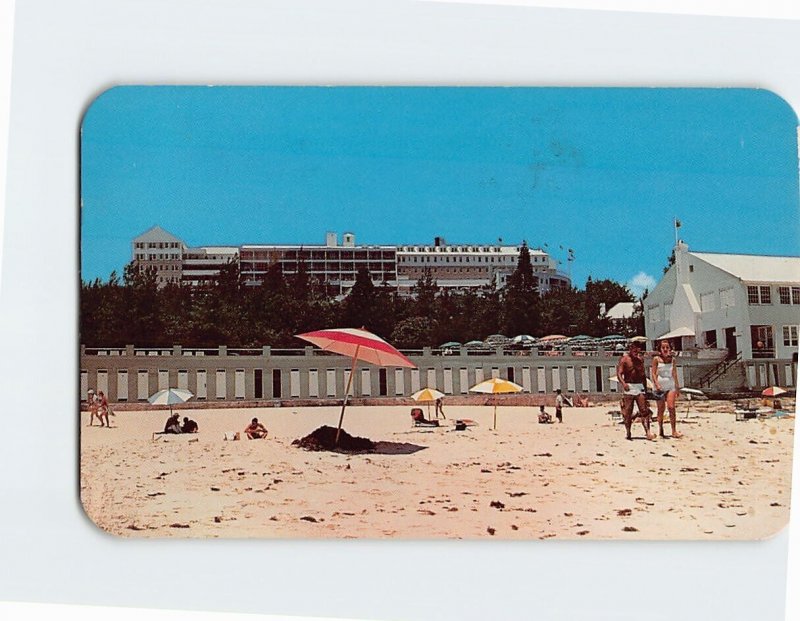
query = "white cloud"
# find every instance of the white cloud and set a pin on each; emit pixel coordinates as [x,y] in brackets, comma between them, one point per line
[640,282]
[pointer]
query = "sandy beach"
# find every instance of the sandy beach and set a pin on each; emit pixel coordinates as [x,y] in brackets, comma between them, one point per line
[725,479]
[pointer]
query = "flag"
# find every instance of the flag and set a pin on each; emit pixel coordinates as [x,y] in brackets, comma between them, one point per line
[677,223]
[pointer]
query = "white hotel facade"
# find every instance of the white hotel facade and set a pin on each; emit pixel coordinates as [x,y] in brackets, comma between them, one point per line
[452,266]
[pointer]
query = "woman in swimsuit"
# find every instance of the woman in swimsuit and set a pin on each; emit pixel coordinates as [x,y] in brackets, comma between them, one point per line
[665,379]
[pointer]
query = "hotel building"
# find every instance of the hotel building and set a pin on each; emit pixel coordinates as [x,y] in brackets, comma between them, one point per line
[452,266]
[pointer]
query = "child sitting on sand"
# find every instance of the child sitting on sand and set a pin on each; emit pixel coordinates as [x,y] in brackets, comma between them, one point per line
[544,417]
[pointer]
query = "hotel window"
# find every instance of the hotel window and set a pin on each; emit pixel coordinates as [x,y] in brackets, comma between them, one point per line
[706,302]
[789,295]
[758,294]
[790,336]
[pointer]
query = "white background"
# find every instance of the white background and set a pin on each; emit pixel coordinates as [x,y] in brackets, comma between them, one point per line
[64,55]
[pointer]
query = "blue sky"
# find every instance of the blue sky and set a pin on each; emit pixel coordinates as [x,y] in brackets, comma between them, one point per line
[601,171]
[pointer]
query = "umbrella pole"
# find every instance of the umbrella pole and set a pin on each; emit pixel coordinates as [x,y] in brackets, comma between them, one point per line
[494,426]
[346,393]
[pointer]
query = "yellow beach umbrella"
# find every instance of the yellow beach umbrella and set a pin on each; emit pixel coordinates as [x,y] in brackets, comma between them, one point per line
[496,386]
[428,395]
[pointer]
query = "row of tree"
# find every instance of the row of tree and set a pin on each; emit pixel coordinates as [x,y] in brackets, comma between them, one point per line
[227,312]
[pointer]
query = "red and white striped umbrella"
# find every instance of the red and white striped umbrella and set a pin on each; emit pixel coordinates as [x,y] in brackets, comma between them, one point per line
[773,391]
[358,344]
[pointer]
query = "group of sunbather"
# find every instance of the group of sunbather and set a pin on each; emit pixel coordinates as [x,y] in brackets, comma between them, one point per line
[630,374]
[254,431]
[632,378]
[173,425]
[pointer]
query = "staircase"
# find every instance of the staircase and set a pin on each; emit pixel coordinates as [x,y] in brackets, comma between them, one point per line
[725,377]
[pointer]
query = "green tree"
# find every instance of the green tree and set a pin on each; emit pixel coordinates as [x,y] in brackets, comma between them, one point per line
[486,316]
[361,304]
[601,292]
[562,311]
[103,318]
[412,332]
[520,299]
[425,292]
[142,309]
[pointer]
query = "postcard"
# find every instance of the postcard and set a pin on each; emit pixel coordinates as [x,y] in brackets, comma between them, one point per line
[438,312]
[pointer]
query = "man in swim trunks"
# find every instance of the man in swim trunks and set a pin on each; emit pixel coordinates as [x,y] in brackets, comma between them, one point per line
[255,430]
[631,376]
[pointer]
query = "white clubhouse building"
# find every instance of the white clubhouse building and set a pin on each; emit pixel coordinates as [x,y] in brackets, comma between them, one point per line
[747,304]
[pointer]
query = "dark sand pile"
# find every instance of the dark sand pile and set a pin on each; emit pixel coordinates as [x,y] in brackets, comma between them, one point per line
[324,439]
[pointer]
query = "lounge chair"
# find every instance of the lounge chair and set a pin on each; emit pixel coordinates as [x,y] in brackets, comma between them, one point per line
[746,414]
[419,419]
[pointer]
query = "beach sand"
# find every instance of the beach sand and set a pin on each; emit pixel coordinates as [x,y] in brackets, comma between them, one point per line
[725,479]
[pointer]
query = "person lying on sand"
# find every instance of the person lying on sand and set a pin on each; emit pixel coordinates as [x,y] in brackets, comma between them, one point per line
[255,430]
[631,375]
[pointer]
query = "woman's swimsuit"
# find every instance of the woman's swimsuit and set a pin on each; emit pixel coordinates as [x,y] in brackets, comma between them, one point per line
[664,373]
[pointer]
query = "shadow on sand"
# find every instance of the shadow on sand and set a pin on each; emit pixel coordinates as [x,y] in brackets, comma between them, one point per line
[397,448]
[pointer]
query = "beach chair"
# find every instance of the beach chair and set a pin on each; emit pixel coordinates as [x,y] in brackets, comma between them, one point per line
[419,420]
[745,414]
